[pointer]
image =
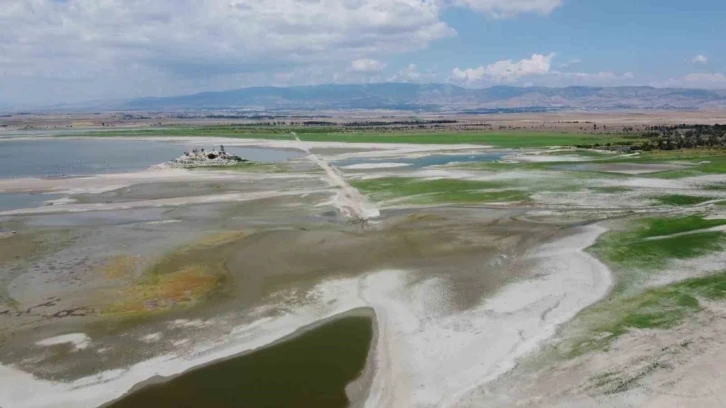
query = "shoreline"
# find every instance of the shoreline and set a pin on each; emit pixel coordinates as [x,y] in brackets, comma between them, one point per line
[356,312]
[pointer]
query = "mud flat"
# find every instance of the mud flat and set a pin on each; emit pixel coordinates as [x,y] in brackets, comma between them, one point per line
[429,329]
[472,273]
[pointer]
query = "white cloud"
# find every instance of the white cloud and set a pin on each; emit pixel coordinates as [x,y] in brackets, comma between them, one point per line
[122,46]
[410,73]
[366,65]
[508,8]
[536,70]
[705,80]
[700,59]
[505,70]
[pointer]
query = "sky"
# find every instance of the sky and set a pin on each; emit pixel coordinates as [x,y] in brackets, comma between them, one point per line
[67,51]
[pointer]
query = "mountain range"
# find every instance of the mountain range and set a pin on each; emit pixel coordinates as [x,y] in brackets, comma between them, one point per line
[435,97]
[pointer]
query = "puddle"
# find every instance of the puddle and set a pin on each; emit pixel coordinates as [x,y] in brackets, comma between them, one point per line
[309,370]
[15,201]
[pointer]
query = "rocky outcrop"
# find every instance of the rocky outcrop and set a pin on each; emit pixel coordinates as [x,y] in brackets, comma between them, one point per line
[200,158]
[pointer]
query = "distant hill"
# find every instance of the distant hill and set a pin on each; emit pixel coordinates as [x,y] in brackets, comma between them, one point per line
[407,96]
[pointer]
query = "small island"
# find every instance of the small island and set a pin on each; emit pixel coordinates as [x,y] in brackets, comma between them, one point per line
[201,158]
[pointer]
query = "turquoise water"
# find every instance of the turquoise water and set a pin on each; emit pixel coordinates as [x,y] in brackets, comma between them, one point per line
[309,370]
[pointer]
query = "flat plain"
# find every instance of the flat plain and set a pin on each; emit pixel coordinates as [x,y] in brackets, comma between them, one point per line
[522,270]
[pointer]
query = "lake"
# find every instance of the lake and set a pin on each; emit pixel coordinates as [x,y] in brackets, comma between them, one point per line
[64,158]
[50,158]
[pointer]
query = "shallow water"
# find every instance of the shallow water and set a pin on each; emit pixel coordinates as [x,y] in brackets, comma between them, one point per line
[63,158]
[309,370]
[425,161]
[13,201]
[68,158]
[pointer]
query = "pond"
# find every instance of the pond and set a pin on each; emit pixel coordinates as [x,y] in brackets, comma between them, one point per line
[14,201]
[309,370]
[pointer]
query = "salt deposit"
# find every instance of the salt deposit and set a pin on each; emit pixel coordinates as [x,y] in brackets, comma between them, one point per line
[79,341]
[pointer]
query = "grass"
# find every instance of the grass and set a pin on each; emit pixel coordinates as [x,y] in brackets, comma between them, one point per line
[436,191]
[512,139]
[704,162]
[654,254]
[634,258]
[658,308]
[658,227]
[680,199]
[498,139]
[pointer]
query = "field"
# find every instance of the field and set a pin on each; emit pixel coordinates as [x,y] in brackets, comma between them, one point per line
[504,139]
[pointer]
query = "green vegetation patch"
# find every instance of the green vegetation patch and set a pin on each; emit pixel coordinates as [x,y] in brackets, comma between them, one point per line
[653,254]
[658,308]
[658,227]
[437,191]
[702,162]
[649,245]
[511,139]
[681,199]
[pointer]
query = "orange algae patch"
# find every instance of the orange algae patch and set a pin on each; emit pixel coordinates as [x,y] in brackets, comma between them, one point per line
[180,288]
[181,278]
[120,267]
